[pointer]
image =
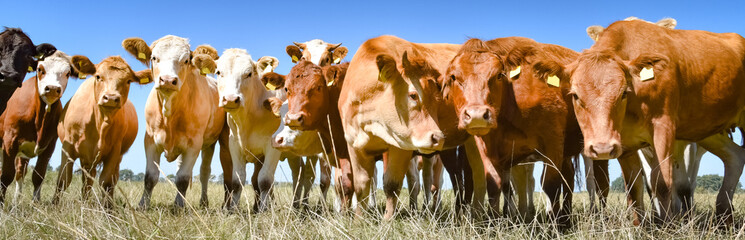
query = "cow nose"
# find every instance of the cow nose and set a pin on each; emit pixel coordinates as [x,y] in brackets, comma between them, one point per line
[604,150]
[52,90]
[231,101]
[294,119]
[437,139]
[110,100]
[168,80]
[479,116]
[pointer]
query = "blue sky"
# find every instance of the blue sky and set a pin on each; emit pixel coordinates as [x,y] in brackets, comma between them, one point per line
[96,29]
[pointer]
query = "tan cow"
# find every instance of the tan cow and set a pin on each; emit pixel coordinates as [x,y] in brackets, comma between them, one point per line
[182,113]
[317,51]
[659,85]
[29,124]
[99,124]
[243,97]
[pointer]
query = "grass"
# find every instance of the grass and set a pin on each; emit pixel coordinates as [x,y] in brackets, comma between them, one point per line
[76,219]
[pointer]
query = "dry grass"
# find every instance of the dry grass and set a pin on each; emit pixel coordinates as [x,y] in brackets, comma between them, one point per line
[75,219]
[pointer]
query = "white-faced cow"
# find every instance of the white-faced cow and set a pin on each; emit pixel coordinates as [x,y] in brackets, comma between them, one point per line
[182,113]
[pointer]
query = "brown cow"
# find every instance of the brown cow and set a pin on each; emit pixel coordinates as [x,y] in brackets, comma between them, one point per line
[99,124]
[515,113]
[182,113]
[642,85]
[30,122]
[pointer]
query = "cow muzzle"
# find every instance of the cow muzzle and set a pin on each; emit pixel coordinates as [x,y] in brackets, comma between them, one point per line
[603,150]
[10,79]
[51,93]
[230,102]
[431,142]
[110,101]
[168,84]
[295,120]
[478,120]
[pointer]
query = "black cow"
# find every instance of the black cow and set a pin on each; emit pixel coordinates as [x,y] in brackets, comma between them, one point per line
[18,55]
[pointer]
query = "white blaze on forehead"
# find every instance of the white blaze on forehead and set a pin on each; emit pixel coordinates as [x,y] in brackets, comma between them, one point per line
[234,65]
[316,48]
[170,51]
[57,69]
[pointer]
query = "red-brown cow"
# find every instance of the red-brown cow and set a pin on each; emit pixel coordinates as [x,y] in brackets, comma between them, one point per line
[516,112]
[30,122]
[642,85]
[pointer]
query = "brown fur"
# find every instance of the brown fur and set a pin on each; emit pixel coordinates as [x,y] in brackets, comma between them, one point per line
[202,61]
[207,50]
[135,46]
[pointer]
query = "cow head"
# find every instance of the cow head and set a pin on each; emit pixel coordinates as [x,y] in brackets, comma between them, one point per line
[318,52]
[594,31]
[171,60]
[238,77]
[18,55]
[287,139]
[52,74]
[475,80]
[308,92]
[112,78]
[417,96]
[602,84]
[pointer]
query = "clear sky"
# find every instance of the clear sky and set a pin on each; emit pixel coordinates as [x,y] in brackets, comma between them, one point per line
[97,28]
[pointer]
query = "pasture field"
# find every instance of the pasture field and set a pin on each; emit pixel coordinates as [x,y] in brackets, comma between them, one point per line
[76,219]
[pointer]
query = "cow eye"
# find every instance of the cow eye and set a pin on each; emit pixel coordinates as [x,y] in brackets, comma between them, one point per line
[98,78]
[218,73]
[624,94]
[186,62]
[287,91]
[68,74]
[249,74]
[413,96]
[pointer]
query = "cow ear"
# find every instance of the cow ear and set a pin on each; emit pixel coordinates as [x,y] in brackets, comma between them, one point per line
[82,66]
[651,62]
[204,63]
[207,50]
[273,81]
[339,54]
[138,48]
[144,76]
[43,50]
[332,75]
[294,52]
[515,58]
[594,32]
[387,70]
[669,23]
[274,105]
[267,64]
[550,71]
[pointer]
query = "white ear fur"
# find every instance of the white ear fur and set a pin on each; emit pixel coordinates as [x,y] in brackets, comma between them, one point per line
[594,32]
[667,23]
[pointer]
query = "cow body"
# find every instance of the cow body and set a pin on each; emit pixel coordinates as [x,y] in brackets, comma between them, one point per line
[99,124]
[18,55]
[661,85]
[182,114]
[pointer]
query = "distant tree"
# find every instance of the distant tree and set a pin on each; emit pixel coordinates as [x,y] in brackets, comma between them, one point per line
[213,177]
[618,185]
[139,177]
[221,178]
[78,171]
[712,183]
[49,168]
[171,177]
[126,175]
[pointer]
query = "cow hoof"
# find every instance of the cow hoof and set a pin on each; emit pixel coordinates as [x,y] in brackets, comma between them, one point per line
[204,203]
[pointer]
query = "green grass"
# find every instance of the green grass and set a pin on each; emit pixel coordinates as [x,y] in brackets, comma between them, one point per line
[76,219]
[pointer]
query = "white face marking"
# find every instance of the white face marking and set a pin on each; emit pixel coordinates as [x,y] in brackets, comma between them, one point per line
[295,141]
[317,49]
[57,71]
[170,54]
[235,71]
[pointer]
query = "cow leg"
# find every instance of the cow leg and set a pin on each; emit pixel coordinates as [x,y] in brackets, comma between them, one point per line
[309,176]
[152,172]
[567,172]
[412,180]
[733,157]
[686,169]
[631,170]
[204,173]
[227,165]
[452,162]
[40,171]
[184,174]
[590,182]
[552,185]
[88,176]
[21,170]
[325,182]
[109,177]
[65,174]
[266,176]
[662,174]
[363,167]
[345,182]
[427,178]
[295,164]
[602,181]
[399,161]
[694,153]
[520,182]
[492,172]
[478,176]
[436,183]
[8,174]
[254,183]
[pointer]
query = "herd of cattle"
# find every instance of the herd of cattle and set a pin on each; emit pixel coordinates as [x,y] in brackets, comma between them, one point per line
[653,97]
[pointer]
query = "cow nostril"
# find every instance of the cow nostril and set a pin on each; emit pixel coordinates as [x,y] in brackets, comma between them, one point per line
[105,97]
[300,119]
[59,90]
[116,100]
[466,115]
[237,100]
[280,140]
[435,139]
[593,153]
[46,89]
[486,115]
[175,82]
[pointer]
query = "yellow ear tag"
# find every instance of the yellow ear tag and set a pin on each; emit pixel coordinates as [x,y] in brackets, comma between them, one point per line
[144,80]
[515,72]
[30,69]
[268,69]
[553,80]
[294,58]
[337,60]
[204,71]
[646,74]
[271,86]
[330,83]
[141,55]
[82,76]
